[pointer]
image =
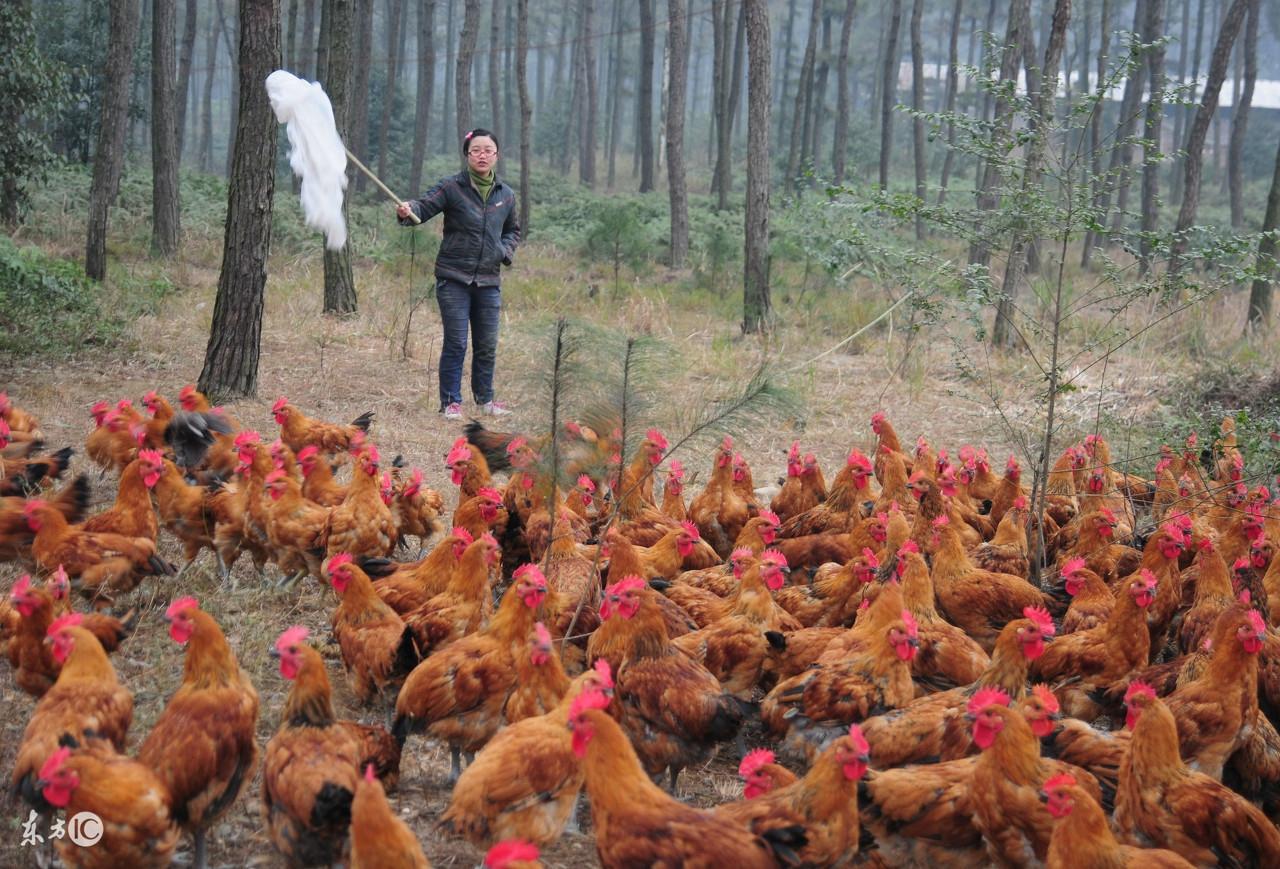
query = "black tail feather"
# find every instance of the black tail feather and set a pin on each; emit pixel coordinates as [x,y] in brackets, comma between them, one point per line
[785,843]
[376,568]
[363,421]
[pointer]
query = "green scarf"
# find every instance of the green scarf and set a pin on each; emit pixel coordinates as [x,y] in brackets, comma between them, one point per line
[482,183]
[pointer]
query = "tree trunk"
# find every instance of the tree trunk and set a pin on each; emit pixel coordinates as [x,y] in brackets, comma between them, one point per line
[462,73]
[817,104]
[987,194]
[841,144]
[572,135]
[290,47]
[1117,177]
[988,100]
[426,90]
[322,40]
[108,159]
[231,40]
[804,92]
[164,132]
[339,283]
[644,96]
[231,358]
[1099,183]
[587,132]
[731,93]
[757,309]
[1154,31]
[1179,112]
[889,92]
[450,144]
[1185,111]
[917,103]
[394,8]
[1260,293]
[494,75]
[1003,333]
[784,71]
[186,52]
[949,103]
[1240,117]
[719,38]
[306,59]
[677,60]
[526,110]
[205,148]
[613,82]
[1200,127]
[358,118]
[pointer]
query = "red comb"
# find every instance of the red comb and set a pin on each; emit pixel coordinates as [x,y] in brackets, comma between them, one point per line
[180,606]
[1061,780]
[541,634]
[66,620]
[587,700]
[503,854]
[626,584]
[987,697]
[1041,617]
[1046,697]
[342,558]
[691,529]
[770,517]
[910,621]
[1072,565]
[1256,622]
[54,763]
[291,637]
[859,741]
[605,672]
[279,405]
[657,439]
[753,761]
[774,556]
[1136,688]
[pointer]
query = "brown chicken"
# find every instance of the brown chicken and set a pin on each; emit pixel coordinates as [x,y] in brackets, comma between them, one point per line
[1213,596]
[824,803]
[416,511]
[637,824]
[540,679]
[1099,656]
[86,702]
[1006,552]
[35,668]
[1162,802]
[1091,599]
[297,430]
[312,763]
[1082,837]
[947,656]
[16,535]
[525,783]
[465,602]
[297,529]
[718,511]
[377,646]
[318,482]
[457,694]
[202,747]
[761,774]
[850,489]
[1005,788]
[405,587]
[673,504]
[977,601]
[378,837]
[673,707]
[361,525]
[753,597]
[481,513]
[468,469]
[118,433]
[131,802]
[97,563]
[804,488]
[161,414]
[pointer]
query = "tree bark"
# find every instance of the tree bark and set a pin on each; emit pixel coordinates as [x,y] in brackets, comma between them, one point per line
[108,159]
[1179,113]
[1099,183]
[229,30]
[917,103]
[727,112]
[644,97]
[757,309]
[988,100]
[804,92]
[612,101]
[949,103]
[164,133]
[307,52]
[677,75]
[231,358]
[394,8]
[322,40]
[186,52]
[784,71]
[1153,32]
[1240,117]
[1260,292]
[1003,332]
[1116,180]
[841,144]
[1199,129]
[987,194]
[462,74]
[426,90]
[526,110]
[587,132]
[450,144]
[290,47]
[339,283]
[1185,112]
[719,53]
[818,100]
[889,92]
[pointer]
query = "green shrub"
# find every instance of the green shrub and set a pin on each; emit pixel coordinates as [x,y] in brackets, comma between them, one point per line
[48,307]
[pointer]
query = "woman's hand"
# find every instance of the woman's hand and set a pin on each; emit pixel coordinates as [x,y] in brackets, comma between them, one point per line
[403,210]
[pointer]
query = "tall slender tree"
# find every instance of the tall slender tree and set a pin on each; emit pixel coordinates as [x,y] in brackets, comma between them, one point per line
[108,158]
[339,282]
[917,103]
[644,96]
[462,74]
[677,77]
[1205,112]
[361,69]
[394,8]
[205,147]
[1240,117]
[1153,32]
[231,358]
[889,91]
[526,110]
[1098,182]
[590,100]
[164,131]
[186,54]
[1260,292]
[949,100]
[426,90]
[494,69]
[450,114]
[841,145]
[756,304]
[804,93]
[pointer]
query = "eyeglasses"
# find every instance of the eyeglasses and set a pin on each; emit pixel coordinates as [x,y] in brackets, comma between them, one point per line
[483,152]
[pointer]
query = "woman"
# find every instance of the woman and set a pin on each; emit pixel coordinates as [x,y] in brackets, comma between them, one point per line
[480,236]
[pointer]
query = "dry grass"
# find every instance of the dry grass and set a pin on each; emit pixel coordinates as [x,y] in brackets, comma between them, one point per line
[336,369]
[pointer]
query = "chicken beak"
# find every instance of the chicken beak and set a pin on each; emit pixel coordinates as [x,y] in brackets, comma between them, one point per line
[273,652]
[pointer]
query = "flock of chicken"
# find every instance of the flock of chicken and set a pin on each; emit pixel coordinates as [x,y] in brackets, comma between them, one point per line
[945,667]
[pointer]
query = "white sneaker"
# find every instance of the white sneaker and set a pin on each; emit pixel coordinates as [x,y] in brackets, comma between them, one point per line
[453,411]
[494,408]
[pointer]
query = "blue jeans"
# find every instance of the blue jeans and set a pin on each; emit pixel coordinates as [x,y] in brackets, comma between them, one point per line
[461,304]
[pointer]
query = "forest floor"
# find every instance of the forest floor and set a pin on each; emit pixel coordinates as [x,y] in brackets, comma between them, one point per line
[338,368]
